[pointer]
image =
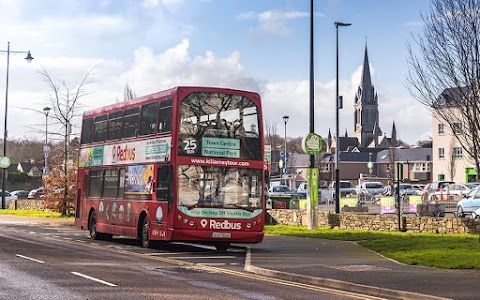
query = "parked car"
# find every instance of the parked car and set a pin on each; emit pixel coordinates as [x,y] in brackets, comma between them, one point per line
[418,188]
[436,186]
[345,186]
[36,194]
[458,189]
[20,194]
[278,190]
[472,185]
[470,204]
[8,197]
[406,189]
[371,189]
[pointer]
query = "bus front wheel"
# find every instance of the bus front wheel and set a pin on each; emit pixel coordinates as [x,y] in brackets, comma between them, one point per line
[146,243]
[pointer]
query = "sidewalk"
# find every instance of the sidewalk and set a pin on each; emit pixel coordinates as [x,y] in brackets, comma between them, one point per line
[351,267]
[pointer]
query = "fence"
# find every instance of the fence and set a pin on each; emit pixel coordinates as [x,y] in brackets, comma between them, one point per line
[409,205]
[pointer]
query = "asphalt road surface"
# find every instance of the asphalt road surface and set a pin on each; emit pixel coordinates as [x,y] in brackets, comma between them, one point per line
[54,261]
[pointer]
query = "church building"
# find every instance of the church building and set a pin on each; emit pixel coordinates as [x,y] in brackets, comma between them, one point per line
[367,135]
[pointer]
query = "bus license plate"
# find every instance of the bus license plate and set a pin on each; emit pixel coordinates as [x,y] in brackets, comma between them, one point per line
[221,235]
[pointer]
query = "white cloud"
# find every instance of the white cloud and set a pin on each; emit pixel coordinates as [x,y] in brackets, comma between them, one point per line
[271,22]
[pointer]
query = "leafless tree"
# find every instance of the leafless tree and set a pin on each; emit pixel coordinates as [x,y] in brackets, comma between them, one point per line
[451,161]
[64,99]
[444,75]
[128,93]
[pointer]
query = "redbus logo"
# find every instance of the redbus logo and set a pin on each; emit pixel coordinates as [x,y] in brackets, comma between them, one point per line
[221,225]
[119,154]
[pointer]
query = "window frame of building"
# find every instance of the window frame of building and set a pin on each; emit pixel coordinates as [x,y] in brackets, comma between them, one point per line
[421,167]
[441,128]
[441,153]
[457,128]
[457,152]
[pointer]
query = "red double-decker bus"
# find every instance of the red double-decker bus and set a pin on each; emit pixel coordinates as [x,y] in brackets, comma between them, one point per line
[185,164]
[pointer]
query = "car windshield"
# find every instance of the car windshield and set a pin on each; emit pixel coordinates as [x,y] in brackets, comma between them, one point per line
[346,185]
[280,189]
[374,186]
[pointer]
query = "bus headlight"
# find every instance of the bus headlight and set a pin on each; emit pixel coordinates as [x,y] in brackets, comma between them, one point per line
[191,223]
[249,225]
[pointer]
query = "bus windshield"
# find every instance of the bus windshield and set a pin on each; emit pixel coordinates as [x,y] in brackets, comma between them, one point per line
[220,187]
[210,119]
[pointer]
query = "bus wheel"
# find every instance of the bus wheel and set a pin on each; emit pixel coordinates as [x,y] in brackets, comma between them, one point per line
[146,243]
[222,246]
[94,234]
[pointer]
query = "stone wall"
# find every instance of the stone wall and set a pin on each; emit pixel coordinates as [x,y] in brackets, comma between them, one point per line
[26,204]
[375,222]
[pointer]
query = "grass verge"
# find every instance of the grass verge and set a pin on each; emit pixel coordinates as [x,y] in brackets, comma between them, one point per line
[32,213]
[446,251]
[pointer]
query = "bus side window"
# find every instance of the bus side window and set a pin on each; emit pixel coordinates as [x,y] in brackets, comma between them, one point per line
[165,116]
[114,125]
[121,183]
[87,127]
[130,122]
[148,119]
[164,184]
[100,129]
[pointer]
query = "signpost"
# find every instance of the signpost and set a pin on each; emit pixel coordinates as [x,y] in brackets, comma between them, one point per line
[312,144]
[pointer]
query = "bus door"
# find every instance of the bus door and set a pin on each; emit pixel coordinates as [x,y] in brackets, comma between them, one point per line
[164,194]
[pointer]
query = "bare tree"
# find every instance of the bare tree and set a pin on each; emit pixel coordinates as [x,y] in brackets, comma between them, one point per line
[65,102]
[444,76]
[451,160]
[128,93]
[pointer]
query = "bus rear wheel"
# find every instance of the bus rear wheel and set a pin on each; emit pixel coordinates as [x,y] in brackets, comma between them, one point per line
[94,234]
[146,243]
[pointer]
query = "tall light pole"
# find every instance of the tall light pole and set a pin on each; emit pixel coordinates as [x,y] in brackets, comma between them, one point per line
[285,120]
[338,105]
[46,149]
[29,59]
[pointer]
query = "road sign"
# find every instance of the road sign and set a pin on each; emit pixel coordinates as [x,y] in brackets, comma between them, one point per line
[46,148]
[45,154]
[5,162]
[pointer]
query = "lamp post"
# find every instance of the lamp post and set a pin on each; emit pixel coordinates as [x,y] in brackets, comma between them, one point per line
[285,120]
[29,59]
[46,149]
[338,105]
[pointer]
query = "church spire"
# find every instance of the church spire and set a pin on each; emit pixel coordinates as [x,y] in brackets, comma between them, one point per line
[366,82]
[393,139]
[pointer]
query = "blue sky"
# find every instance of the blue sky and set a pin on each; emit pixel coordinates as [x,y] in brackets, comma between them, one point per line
[255,45]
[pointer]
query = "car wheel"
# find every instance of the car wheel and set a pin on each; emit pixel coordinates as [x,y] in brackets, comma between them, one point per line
[460,212]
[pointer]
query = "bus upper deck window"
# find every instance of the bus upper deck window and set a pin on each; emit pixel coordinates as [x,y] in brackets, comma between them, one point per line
[100,129]
[130,122]
[148,120]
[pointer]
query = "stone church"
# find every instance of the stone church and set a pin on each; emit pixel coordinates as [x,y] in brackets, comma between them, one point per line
[367,135]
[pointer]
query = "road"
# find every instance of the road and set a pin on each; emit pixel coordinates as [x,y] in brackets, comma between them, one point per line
[54,261]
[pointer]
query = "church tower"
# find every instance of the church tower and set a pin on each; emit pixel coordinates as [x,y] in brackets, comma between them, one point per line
[366,118]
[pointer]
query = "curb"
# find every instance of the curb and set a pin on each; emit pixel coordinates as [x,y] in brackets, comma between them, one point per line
[337,284]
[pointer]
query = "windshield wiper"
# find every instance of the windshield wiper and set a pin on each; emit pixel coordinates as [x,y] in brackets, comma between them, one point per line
[249,209]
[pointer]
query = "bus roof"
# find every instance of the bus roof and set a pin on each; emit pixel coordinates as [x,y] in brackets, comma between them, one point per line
[163,94]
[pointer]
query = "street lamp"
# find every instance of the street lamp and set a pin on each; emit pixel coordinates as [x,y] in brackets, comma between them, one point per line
[285,120]
[338,105]
[29,59]
[46,110]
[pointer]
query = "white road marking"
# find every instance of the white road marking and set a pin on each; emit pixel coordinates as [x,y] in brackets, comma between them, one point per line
[93,278]
[199,257]
[29,258]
